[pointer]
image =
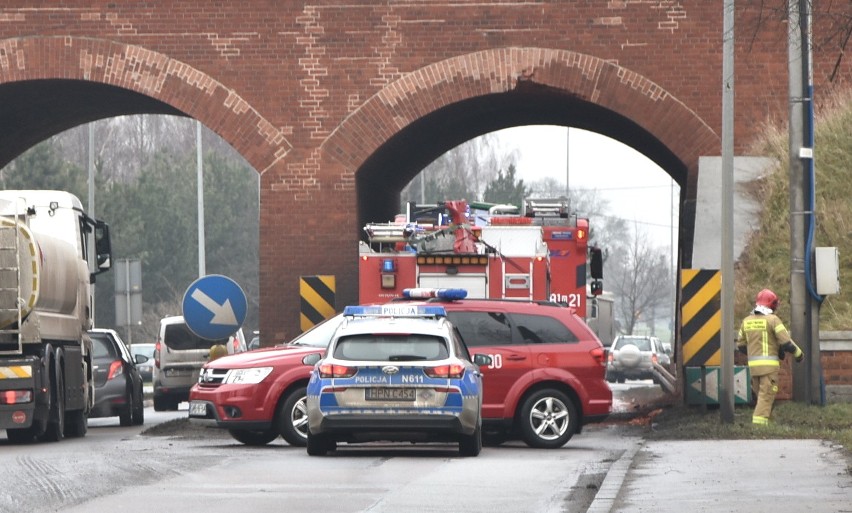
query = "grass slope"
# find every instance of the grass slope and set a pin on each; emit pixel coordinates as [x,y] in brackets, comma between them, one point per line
[766,261]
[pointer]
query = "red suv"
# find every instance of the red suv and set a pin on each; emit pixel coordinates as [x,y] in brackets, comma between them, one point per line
[546,380]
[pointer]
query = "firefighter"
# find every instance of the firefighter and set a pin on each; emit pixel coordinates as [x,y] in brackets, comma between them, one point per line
[217,351]
[765,339]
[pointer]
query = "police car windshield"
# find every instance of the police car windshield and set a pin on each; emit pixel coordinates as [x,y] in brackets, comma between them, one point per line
[393,348]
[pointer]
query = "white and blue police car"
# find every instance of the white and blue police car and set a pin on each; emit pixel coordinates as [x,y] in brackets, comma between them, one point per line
[395,373]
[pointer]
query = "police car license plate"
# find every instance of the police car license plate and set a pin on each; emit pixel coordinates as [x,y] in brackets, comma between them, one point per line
[197,409]
[390,394]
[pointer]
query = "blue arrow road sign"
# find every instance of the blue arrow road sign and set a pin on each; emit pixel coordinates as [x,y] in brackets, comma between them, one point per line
[214,307]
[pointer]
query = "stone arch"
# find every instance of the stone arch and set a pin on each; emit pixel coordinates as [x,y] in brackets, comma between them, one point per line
[583,77]
[120,79]
[459,98]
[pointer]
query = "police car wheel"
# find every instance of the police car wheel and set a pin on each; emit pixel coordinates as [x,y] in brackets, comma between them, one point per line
[471,445]
[319,445]
[548,419]
[291,419]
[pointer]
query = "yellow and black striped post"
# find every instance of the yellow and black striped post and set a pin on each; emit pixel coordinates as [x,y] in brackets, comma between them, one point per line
[316,295]
[701,317]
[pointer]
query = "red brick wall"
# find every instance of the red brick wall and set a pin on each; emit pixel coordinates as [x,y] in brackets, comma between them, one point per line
[837,367]
[309,92]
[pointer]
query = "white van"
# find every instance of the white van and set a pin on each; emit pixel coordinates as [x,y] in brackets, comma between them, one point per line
[179,355]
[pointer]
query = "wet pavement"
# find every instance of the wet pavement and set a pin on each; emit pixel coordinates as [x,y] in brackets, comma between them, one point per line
[719,476]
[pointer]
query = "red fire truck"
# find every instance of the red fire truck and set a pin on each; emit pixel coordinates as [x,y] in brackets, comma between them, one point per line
[490,250]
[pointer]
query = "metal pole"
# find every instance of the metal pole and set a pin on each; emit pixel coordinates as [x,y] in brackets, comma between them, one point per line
[201,255]
[726,386]
[127,294]
[568,164]
[799,299]
[92,253]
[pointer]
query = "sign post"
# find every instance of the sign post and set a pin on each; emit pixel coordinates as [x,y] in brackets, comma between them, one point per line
[128,295]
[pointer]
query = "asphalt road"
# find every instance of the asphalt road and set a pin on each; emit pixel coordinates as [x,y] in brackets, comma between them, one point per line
[170,464]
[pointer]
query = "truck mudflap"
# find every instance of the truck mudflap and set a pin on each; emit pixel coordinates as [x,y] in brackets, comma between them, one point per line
[19,397]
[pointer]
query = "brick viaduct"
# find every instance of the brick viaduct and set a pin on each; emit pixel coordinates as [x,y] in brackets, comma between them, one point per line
[339,104]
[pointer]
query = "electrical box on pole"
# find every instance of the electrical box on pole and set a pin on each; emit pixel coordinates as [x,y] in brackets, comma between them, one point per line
[827,271]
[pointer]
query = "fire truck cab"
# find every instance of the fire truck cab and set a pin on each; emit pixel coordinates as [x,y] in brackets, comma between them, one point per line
[490,250]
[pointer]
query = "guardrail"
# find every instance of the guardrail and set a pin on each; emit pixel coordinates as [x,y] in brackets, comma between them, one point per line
[665,378]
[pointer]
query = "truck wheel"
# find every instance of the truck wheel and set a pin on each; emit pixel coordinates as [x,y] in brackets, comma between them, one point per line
[548,419]
[253,438]
[76,424]
[291,419]
[56,419]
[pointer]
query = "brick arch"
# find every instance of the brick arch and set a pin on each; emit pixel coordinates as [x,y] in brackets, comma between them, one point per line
[137,72]
[658,117]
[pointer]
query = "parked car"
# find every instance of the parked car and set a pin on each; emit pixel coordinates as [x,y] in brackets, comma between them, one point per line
[145,369]
[395,373]
[254,343]
[179,355]
[118,384]
[634,356]
[546,380]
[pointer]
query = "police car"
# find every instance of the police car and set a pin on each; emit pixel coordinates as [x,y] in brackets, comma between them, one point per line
[395,373]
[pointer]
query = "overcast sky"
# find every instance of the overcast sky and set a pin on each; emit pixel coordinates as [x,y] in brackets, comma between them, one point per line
[637,189]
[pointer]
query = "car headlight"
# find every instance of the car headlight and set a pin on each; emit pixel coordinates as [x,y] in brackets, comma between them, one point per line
[247,376]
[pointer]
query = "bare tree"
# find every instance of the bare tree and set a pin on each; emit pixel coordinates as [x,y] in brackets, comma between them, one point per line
[640,280]
[461,173]
[832,23]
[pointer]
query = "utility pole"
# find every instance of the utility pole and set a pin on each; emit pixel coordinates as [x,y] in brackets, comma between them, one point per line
[202,269]
[726,385]
[804,309]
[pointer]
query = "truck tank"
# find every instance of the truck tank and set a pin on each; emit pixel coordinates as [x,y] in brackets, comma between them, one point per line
[47,270]
[44,267]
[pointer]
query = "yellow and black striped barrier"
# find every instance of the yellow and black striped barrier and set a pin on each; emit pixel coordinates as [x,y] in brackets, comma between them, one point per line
[316,295]
[701,316]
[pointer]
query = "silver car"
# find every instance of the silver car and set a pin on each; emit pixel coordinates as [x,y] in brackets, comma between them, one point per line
[633,357]
[395,373]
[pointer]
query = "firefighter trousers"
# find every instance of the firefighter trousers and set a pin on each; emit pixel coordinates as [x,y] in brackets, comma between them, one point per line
[764,379]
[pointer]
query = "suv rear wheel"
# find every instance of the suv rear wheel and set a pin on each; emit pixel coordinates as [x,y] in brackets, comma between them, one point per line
[548,419]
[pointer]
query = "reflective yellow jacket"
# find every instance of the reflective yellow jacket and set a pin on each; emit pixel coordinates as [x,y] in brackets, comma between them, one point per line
[763,338]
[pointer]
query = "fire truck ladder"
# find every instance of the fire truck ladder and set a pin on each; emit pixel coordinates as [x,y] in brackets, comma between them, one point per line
[10,287]
[518,281]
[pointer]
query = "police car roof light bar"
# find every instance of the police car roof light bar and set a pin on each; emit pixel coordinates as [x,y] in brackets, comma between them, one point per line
[428,293]
[396,310]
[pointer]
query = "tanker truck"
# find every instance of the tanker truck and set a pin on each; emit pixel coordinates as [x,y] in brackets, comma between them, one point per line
[46,378]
